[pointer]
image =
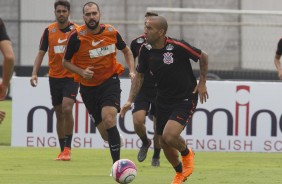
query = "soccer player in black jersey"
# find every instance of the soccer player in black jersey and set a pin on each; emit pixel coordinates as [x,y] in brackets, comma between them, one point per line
[277,59]
[145,103]
[177,90]
[8,64]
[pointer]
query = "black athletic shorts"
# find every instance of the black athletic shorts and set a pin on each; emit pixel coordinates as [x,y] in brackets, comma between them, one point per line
[97,97]
[142,102]
[181,112]
[62,87]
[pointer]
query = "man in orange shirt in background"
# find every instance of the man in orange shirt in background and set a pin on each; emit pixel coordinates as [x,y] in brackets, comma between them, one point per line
[92,47]
[63,89]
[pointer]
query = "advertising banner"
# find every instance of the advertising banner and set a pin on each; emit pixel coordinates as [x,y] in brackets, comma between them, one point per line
[238,116]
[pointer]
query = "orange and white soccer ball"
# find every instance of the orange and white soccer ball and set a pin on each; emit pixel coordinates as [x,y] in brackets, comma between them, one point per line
[124,171]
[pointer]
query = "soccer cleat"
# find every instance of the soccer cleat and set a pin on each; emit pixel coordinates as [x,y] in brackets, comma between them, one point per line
[155,162]
[178,178]
[66,154]
[142,154]
[59,157]
[188,164]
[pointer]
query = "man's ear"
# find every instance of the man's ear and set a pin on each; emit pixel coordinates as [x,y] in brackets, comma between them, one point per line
[162,32]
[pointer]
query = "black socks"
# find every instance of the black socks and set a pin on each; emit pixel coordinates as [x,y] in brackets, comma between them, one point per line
[68,141]
[114,143]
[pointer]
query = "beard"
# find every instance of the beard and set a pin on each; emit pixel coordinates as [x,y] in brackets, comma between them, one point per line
[149,40]
[92,27]
[62,20]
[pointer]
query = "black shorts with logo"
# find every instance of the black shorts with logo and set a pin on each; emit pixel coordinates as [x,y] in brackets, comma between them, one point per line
[62,87]
[97,97]
[142,102]
[181,112]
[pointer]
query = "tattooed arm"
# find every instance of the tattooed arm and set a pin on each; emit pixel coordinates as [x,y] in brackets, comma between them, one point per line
[134,90]
[201,87]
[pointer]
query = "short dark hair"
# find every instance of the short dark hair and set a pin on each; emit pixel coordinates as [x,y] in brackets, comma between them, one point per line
[90,3]
[162,22]
[149,14]
[64,3]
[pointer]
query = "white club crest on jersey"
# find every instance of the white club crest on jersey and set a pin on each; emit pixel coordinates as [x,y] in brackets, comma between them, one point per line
[61,41]
[168,59]
[110,29]
[140,40]
[169,47]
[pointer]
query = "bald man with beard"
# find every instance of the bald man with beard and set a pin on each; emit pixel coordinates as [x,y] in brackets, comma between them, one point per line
[168,60]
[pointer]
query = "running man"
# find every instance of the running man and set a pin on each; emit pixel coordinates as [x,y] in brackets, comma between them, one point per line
[169,62]
[63,89]
[92,47]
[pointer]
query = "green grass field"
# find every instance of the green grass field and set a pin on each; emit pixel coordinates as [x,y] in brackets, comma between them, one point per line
[92,166]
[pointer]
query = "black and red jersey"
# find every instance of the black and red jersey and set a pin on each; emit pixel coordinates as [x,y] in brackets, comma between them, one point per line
[3,32]
[136,44]
[171,69]
[149,85]
[279,47]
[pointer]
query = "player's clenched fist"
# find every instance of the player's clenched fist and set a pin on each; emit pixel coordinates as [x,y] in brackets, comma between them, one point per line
[125,108]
